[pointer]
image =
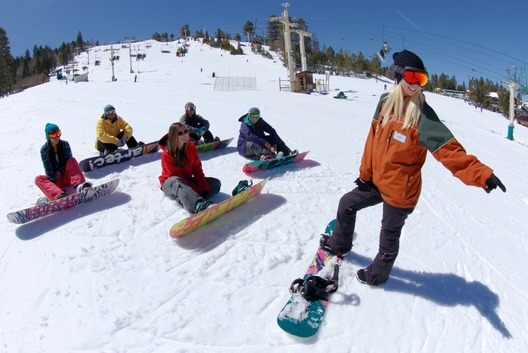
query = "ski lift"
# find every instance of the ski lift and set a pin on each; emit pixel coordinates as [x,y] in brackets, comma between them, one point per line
[385,49]
[373,54]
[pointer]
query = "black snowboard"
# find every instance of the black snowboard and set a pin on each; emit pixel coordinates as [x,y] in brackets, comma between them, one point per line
[119,156]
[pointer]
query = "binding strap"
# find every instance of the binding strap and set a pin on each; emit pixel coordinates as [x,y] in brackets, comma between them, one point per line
[315,287]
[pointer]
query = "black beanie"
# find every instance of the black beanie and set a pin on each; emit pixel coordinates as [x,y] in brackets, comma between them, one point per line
[406,59]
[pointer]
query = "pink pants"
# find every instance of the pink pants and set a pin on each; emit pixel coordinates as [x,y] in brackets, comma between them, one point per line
[72,176]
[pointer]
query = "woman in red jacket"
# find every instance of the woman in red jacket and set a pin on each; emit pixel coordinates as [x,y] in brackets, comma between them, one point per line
[181,171]
[403,129]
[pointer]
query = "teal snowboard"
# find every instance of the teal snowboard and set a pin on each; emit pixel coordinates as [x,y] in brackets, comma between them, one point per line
[299,316]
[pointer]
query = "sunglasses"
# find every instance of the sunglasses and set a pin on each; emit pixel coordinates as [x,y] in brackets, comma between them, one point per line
[55,134]
[413,76]
[254,115]
[190,107]
[184,132]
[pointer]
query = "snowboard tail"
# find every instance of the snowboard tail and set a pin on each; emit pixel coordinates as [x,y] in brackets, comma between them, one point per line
[194,222]
[46,209]
[301,317]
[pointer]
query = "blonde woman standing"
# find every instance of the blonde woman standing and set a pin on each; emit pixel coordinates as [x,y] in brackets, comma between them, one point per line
[403,129]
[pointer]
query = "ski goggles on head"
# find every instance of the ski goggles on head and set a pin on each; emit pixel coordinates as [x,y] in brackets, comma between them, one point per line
[254,115]
[190,107]
[413,76]
[55,134]
[110,112]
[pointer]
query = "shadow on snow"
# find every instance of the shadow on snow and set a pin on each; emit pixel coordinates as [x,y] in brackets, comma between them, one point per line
[40,226]
[213,234]
[444,289]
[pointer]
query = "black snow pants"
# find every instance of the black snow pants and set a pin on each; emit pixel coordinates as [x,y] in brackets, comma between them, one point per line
[391,225]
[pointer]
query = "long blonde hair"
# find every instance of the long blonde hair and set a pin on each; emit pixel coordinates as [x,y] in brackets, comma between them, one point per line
[396,106]
[172,145]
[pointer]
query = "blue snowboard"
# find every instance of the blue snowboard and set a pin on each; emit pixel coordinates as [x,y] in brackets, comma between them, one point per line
[255,166]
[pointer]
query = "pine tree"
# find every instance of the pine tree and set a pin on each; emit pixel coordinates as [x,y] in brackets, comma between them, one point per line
[79,42]
[249,29]
[7,74]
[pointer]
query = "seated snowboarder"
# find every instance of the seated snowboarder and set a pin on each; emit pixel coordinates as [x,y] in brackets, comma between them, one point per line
[112,132]
[196,125]
[62,170]
[259,140]
[182,175]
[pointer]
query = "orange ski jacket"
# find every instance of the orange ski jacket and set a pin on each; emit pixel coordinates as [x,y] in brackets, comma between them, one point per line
[393,157]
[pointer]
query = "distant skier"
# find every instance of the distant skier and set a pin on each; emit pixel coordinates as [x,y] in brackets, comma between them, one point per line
[404,128]
[61,168]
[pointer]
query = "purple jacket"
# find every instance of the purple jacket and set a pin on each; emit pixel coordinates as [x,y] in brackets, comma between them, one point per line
[254,133]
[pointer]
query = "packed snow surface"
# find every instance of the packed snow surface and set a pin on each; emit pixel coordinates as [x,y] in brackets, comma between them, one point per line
[106,276]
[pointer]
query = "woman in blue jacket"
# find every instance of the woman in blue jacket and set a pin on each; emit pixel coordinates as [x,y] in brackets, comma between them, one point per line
[258,139]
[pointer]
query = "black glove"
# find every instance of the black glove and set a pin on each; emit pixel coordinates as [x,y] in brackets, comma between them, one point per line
[362,185]
[493,182]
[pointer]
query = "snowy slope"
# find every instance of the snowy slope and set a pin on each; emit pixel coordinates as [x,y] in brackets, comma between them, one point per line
[106,277]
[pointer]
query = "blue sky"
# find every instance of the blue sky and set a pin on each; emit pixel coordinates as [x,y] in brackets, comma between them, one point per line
[461,38]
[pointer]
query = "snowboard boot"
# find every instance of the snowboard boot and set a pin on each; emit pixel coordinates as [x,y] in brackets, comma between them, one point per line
[81,187]
[61,196]
[202,206]
[280,155]
[323,244]
[360,276]
[42,200]
[242,185]
[267,157]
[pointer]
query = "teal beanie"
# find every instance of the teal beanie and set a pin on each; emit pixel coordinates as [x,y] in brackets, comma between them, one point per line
[50,128]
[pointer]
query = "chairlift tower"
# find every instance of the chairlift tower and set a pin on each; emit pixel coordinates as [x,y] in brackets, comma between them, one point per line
[302,34]
[129,41]
[512,85]
[112,61]
[285,19]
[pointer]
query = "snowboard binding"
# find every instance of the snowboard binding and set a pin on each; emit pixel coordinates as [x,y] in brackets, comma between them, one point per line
[242,185]
[316,288]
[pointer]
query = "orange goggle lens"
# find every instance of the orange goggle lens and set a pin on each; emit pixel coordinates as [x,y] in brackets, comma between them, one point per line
[55,134]
[413,77]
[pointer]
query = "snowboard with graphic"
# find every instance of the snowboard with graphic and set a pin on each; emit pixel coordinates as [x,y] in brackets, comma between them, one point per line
[46,209]
[206,147]
[255,166]
[119,156]
[299,316]
[198,220]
